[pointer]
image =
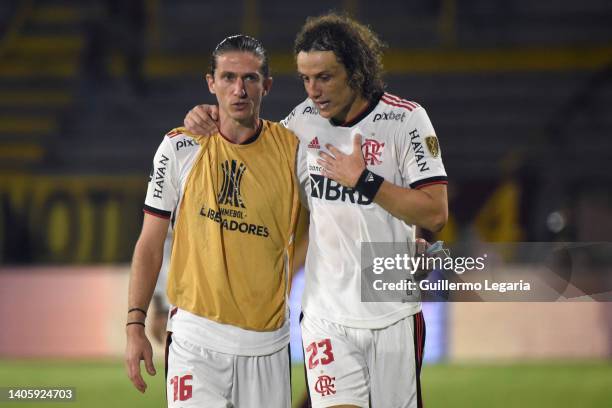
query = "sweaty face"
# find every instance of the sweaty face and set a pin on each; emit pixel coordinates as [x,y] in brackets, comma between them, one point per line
[326,83]
[239,85]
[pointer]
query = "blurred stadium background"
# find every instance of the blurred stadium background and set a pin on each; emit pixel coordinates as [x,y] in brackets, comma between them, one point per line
[520,93]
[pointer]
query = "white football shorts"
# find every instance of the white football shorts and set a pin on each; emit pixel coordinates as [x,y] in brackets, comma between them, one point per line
[378,368]
[199,377]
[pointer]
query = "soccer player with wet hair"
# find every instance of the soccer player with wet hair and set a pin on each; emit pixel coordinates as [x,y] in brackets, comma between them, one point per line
[234,198]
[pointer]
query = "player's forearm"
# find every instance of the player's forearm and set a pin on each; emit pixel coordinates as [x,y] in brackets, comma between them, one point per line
[301,239]
[146,263]
[414,206]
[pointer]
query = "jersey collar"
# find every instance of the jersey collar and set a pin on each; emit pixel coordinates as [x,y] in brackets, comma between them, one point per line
[256,135]
[250,140]
[365,112]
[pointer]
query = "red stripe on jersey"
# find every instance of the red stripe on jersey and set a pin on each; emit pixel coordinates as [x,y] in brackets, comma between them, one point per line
[399,105]
[422,338]
[409,104]
[419,334]
[174,132]
[432,183]
[417,331]
[167,353]
[391,96]
[397,99]
[156,215]
[419,343]
[388,102]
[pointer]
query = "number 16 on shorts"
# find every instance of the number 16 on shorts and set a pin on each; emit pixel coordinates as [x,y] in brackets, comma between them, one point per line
[181,387]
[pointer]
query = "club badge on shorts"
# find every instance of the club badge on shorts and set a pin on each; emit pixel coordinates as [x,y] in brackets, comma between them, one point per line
[432,145]
[325,385]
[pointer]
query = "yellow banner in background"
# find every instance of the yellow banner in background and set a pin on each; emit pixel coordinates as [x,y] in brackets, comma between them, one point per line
[69,219]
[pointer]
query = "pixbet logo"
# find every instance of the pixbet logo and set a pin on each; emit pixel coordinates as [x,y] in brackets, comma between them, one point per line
[185,143]
[310,110]
[390,116]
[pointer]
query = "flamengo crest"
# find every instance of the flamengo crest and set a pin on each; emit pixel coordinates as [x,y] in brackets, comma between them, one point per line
[372,152]
[325,385]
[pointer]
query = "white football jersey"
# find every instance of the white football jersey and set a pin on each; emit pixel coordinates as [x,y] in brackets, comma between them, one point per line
[398,143]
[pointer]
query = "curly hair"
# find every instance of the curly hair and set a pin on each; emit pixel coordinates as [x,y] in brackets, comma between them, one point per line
[356,46]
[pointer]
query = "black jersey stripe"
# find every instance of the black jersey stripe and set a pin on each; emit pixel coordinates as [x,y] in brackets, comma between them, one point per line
[157,212]
[429,180]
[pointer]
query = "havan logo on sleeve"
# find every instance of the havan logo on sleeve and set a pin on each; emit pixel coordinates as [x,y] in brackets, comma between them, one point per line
[419,153]
[158,176]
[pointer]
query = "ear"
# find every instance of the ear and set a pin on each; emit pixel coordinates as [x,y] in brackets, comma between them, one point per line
[210,80]
[267,85]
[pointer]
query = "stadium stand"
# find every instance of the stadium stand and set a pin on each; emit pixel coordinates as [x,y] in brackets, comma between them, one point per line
[90,87]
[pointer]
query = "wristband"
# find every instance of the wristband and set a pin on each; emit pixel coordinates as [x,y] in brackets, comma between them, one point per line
[137,309]
[369,183]
[140,323]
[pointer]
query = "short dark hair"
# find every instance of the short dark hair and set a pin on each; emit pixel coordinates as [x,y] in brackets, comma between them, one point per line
[244,43]
[356,46]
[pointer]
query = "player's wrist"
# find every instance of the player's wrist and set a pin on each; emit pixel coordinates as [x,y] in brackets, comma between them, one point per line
[368,183]
[137,311]
[135,328]
[355,177]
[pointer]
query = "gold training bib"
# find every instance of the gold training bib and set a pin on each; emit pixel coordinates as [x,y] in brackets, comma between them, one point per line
[233,245]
